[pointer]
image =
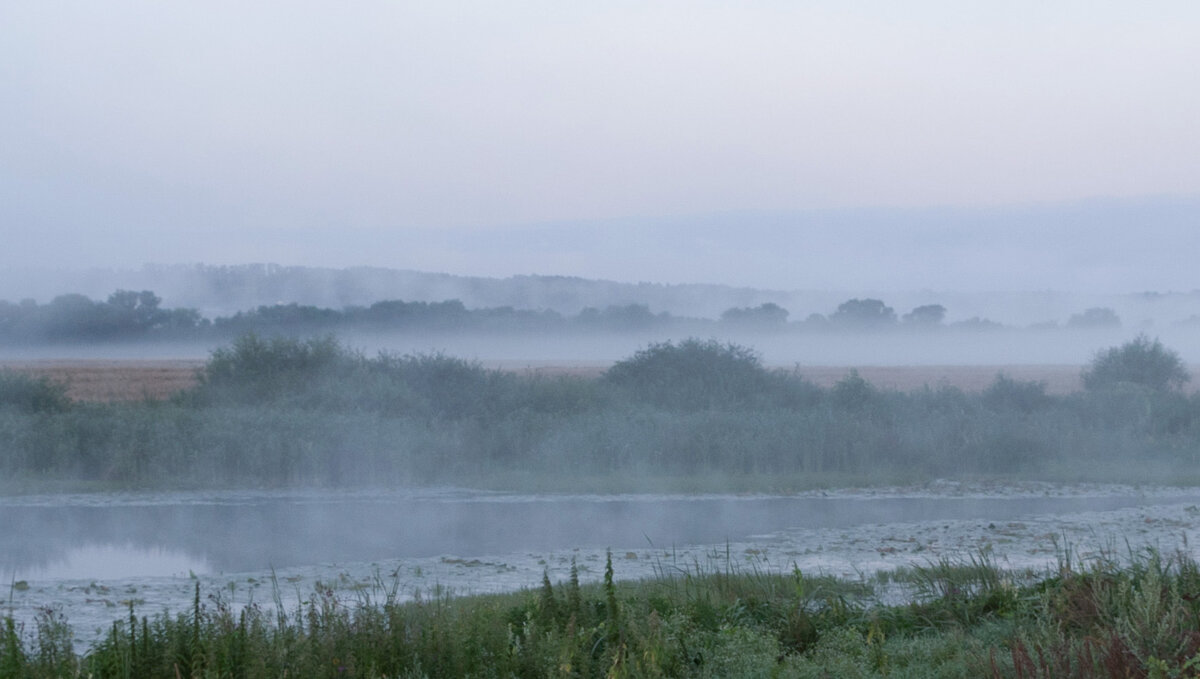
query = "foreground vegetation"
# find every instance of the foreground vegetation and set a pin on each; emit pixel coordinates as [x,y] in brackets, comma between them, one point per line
[283,412]
[966,619]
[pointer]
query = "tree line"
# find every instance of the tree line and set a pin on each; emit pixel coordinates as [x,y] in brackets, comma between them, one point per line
[134,315]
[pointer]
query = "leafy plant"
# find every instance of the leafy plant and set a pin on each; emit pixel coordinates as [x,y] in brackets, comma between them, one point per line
[691,375]
[28,394]
[1007,394]
[1141,361]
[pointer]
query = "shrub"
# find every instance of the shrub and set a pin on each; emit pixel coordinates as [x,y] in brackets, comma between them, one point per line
[252,358]
[450,387]
[692,375]
[1141,361]
[28,394]
[1007,394]
[321,374]
[256,368]
[853,393]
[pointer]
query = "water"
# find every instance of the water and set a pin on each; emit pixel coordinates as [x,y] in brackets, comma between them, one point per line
[90,555]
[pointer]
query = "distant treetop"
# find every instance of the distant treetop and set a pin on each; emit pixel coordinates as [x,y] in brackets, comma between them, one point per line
[863,313]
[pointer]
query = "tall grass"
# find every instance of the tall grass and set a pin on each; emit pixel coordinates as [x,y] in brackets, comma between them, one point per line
[969,619]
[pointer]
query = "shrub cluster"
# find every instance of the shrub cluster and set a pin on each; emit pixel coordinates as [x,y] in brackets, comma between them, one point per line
[283,412]
[31,395]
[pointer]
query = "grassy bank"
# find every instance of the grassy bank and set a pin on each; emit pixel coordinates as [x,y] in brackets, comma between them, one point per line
[287,413]
[964,619]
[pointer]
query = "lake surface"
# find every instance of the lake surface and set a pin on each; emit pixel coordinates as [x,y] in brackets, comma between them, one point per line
[79,537]
[91,554]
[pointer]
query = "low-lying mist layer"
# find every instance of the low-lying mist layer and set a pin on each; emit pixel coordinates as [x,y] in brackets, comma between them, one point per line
[692,415]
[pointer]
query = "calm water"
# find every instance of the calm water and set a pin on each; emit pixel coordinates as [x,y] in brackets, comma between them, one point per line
[125,536]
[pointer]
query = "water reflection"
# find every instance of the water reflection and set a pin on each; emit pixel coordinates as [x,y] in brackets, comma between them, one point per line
[114,561]
[129,536]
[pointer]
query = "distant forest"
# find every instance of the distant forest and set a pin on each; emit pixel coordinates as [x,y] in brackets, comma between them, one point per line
[138,315]
[225,290]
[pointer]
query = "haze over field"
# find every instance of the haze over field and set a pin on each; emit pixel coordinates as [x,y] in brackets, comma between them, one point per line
[798,310]
[813,146]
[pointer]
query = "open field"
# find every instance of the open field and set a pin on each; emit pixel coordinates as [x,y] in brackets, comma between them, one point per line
[133,380]
[115,379]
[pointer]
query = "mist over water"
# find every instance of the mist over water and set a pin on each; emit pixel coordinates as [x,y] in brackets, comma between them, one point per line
[90,554]
[168,535]
[477,294]
[87,554]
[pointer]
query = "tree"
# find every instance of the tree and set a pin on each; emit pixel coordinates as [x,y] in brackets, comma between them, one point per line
[137,311]
[977,324]
[75,317]
[1096,317]
[763,315]
[863,313]
[627,317]
[1142,361]
[926,315]
[182,319]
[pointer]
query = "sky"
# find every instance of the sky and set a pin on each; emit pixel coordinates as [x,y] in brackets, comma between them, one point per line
[929,143]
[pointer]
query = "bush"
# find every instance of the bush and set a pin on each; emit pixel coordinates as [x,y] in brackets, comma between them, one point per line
[853,393]
[256,368]
[30,395]
[1141,362]
[1007,394]
[692,375]
[321,374]
[450,387]
[253,359]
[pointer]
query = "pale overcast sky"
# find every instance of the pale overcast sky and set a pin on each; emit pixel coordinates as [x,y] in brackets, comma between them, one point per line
[408,134]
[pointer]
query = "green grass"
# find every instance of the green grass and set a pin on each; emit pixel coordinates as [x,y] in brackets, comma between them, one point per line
[968,619]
